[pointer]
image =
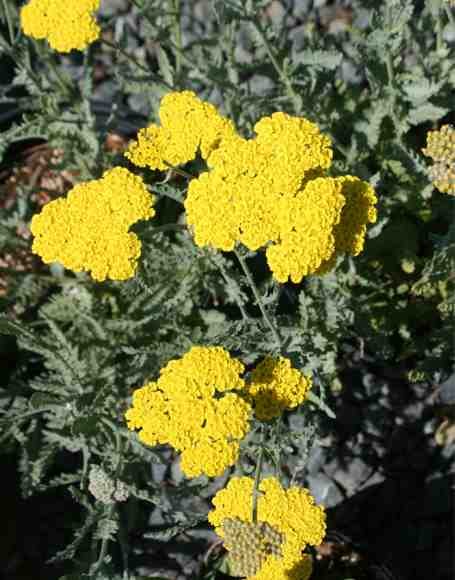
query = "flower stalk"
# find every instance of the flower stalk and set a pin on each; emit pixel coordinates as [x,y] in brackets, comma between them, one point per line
[254,289]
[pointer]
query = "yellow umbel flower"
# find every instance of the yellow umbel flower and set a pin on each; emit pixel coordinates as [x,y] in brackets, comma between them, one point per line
[275,386]
[88,230]
[269,192]
[188,126]
[271,548]
[194,407]
[307,223]
[441,149]
[66,25]
[253,195]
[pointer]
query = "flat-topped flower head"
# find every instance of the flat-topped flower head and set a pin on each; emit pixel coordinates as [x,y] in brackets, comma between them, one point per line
[188,126]
[196,407]
[269,192]
[270,548]
[441,149]
[65,25]
[88,230]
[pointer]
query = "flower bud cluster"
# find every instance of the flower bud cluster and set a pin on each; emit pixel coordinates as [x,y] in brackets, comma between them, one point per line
[104,489]
[250,545]
[441,149]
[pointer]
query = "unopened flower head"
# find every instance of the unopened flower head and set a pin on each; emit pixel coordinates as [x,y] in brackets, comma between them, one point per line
[195,406]
[275,386]
[441,149]
[66,25]
[104,488]
[270,548]
[88,230]
[188,126]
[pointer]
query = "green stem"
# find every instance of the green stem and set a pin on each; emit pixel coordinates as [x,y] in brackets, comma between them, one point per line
[388,62]
[105,541]
[9,22]
[228,280]
[448,11]
[66,88]
[127,55]
[439,40]
[178,37]
[257,296]
[179,171]
[293,96]
[257,479]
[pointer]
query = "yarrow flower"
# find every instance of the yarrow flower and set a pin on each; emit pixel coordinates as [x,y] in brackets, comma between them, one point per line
[270,548]
[268,192]
[66,25]
[275,386]
[441,149]
[88,230]
[196,407]
[188,126]
[271,191]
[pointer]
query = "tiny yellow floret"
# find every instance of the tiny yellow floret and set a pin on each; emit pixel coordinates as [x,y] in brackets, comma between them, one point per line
[270,548]
[66,25]
[88,230]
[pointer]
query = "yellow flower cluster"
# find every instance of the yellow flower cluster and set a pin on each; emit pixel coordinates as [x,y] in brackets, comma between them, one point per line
[202,406]
[271,191]
[188,126]
[275,386]
[194,407]
[292,521]
[441,149]
[66,25]
[88,230]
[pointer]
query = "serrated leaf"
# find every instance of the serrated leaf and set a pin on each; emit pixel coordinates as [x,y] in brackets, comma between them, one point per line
[418,92]
[11,328]
[426,112]
[328,59]
[165,66]
[85,426]
[40,400]
[313,398]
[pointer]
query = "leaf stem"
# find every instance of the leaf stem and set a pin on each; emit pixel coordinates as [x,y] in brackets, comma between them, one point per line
[257,296]
[176,9]
[257,478]
[127,55]
[9,22]
[293,96]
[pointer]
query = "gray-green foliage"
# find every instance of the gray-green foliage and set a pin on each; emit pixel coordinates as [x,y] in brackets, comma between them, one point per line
[375,83]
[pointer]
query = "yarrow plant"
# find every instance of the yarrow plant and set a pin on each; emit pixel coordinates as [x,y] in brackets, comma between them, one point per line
[235,230]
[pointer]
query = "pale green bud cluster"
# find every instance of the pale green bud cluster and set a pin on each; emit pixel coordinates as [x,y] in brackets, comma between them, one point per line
[250,545]
[103,488]
[441,149]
